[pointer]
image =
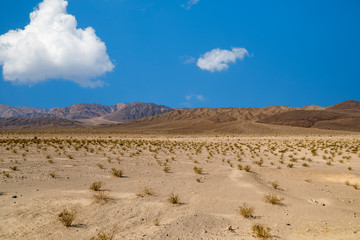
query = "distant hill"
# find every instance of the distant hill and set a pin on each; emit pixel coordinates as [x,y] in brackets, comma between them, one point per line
[37,123]
[251,120]
[121,112]
[151,118]
[347,105]
[133,111]
[342,116]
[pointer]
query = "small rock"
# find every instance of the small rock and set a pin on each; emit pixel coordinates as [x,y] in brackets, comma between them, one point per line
[14,196]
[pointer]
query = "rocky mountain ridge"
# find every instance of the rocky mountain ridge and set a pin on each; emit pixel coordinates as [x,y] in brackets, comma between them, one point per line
[121,112]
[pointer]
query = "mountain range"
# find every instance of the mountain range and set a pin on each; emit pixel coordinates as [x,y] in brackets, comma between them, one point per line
[122,112]
[149,117]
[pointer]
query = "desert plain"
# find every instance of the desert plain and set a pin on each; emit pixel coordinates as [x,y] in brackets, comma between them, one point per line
[132,186]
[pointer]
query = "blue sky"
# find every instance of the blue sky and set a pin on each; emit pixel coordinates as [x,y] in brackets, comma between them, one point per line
[292,53]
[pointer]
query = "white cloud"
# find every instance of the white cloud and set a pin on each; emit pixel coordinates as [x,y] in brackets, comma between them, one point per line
[193,98]
[218,59]
[51,47]
[189,60]
[196,96]
[190,3]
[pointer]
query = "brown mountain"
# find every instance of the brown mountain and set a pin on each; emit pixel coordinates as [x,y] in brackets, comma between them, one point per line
[347,105]
[137,110]
[250,120]
[153,118]
[218,115]
[121,112]
[342,116]
[206,120]
[37,123]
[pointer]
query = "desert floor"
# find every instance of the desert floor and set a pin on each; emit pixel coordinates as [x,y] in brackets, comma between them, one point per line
[315,178]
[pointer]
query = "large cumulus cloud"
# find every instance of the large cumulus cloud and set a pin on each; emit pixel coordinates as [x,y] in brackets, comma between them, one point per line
[52,47]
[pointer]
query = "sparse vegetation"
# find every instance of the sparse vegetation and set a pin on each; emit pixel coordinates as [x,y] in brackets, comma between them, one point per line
[167,169]
[156,222]
[247,168]
[174,198]
[116,172]
[273,199]
[67,217]
[260,231]
[101,197]
[151,155]
[246,211]
[275,185]
[103,236]
[260,162]
[198,170]
[14,168]
[96,186]
[145,192]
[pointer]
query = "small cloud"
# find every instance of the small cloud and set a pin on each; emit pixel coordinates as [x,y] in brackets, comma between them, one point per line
[218,59]
[199,97]
[192,99]
[189,60]
[52,47]
[190,3]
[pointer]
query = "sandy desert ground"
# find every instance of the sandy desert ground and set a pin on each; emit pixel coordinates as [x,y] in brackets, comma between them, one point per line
[313,182]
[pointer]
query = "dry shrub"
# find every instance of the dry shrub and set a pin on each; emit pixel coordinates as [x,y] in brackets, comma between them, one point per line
[101,197]
[275,185]
[145,192]
[117,173]
[67,217]
[261,231]
[245,211]
[198,170]
[103,236]
[273,199]
[247,168]
[167,169]
[174,198]
[96,186]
